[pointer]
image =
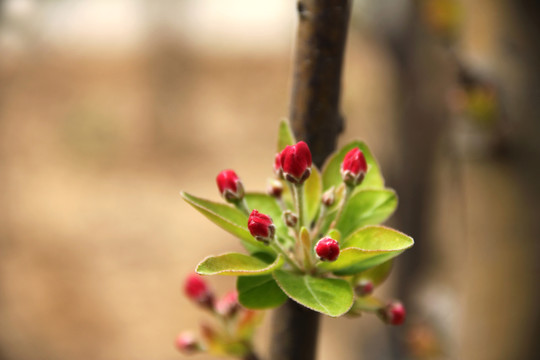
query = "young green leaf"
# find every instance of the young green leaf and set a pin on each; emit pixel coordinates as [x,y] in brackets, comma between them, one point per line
[377,274]
[285,135]
[229,219]
[366,248]
[237,264]
[331,175]
[366,207]
[330,296]
[259,292]
[312,194]
[366,303]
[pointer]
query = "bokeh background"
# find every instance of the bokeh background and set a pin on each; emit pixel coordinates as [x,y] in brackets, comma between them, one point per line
[108,108]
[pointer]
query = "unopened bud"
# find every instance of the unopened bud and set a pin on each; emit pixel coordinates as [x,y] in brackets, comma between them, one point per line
[295,163]
[228,305]
[261,227]
[329,197]
[290,218]
[277,166]
[187,344]
[197,290]
[275,189]
[327,249]
[353,167]
[393,313]
[230,186]
[364,288]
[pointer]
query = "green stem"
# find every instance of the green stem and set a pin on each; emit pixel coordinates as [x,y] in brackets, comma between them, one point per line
[276,246]
[315,232]
[343,203]
[298,190]
[242,206]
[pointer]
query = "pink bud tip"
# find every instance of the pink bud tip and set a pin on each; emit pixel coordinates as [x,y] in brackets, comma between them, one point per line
[230,186]
[364,288]
[277,166]
[295,162]
[275,189]
[187,344]
[354,167]
[261,226]
[197,290]
[327,249]
[394,313]
[228,305]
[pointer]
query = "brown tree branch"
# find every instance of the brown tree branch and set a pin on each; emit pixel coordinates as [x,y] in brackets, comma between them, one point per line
[315,118]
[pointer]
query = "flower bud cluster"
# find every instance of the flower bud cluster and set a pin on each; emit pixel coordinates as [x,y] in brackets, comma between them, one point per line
[228,332]
[292,167]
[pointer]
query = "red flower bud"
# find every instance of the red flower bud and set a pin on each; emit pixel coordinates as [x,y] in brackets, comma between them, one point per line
[228,305]
[277,166]
[393,313]
[354,167]
[364,288]
[230,186]
[261,227]
[187,344]
[327,249]
[197,290]
[295,162]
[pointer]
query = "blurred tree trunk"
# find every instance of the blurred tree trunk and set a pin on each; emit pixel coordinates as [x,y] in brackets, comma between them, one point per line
[315,117]
[527,165]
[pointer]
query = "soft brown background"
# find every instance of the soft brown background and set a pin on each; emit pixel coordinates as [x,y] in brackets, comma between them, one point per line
[109,109]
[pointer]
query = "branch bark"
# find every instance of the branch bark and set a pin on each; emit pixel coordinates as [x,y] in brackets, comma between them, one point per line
[320,46]
[315,118]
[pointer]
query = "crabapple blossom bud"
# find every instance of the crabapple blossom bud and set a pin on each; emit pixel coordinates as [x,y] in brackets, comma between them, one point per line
[197,290]
[230,186]
[329,197]
[228,305]
[187,344]
[295,163]
[275,189]
[277,166]
[393,313]
[261,227]
[327,249]
[364,288]
[290,218]
[353,167]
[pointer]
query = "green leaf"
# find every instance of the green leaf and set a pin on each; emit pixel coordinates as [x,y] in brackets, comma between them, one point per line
[285,135]
[229,219]
[366,248]
[331,175]
[330,296]
[312,194]
[259,292]
[268,205]
[237,264]
[366,207]
[376,274]
[334,234]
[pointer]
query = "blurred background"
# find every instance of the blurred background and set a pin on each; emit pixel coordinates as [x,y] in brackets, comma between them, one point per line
[108,108]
